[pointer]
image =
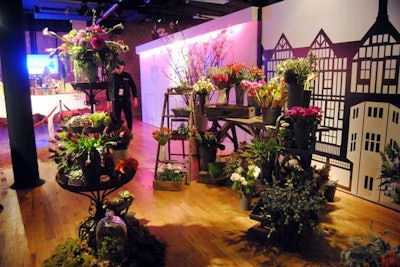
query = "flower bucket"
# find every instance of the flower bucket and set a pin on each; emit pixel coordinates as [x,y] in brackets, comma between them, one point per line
[239,95]
[329,193]
[295,95]
[289,237]
[245,200]
[207,155]
[270,115]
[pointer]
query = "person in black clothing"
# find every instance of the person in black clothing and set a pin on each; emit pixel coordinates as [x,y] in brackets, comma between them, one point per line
[125,88]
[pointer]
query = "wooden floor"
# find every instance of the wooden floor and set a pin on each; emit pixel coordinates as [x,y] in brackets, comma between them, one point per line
[202,225]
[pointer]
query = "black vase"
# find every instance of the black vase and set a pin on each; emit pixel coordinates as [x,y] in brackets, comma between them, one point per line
[289,237]
[295,95]
[306,99]
[202,102]
[91,167]
[207,154]
[239,95]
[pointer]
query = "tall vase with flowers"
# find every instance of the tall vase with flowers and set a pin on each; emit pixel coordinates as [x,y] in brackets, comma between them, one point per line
[162,136]
[88,49]
[304,122]
[271,97]
[297,74]
[220,76]
[237,72]
[202,88]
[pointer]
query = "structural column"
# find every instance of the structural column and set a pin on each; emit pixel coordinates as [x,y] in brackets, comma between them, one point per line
[17,96]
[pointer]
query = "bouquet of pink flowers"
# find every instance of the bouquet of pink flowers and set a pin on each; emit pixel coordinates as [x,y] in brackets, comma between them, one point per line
[309,114]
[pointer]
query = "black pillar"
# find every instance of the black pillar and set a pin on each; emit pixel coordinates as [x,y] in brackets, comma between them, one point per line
[17,96]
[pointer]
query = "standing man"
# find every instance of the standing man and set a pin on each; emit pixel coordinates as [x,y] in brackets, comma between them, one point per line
[125,88]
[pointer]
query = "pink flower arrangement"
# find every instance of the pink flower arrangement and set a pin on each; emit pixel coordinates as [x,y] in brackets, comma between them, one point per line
[309,114]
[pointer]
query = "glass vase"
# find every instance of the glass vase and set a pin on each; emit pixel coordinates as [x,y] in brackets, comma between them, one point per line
[222,97]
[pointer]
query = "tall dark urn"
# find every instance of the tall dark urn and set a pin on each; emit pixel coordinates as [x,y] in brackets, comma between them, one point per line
[295,95]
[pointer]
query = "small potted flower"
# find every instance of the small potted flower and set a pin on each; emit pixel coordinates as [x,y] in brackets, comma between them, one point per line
[169,178]
[244,180]
[121,139]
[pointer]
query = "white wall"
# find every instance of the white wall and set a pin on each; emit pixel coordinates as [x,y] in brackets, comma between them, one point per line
[154,63]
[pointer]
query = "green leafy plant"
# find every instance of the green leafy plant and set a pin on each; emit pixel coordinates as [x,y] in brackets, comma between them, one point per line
[390,172]
[371,250]
[299,71]
[71,146]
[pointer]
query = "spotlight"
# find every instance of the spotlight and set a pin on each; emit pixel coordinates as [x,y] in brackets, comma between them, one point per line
[84,10]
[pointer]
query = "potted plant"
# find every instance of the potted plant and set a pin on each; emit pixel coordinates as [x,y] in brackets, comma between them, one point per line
[182,111]
[390,172]
[264,152]
[169,178]
[79,151]
[120,139]
[305,121]
[297,74]
[181,133]
[371,250]
[330,190]
[202,89]
[237,72]
[291,207]
[244,180]
[208,145]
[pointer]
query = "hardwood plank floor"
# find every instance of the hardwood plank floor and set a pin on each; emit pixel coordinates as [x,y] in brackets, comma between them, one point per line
[202,225]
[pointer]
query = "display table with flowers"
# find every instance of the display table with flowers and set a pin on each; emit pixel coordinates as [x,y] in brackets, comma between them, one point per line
[85,165]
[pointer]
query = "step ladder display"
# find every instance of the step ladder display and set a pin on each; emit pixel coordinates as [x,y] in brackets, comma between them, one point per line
[178,149]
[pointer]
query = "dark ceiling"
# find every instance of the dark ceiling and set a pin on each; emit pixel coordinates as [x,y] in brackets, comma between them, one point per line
[136,10]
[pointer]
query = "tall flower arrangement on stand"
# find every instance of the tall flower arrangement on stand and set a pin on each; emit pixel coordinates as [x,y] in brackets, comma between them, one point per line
[88,48]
